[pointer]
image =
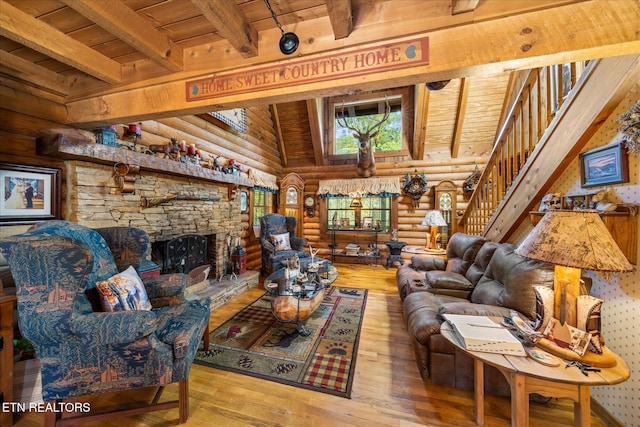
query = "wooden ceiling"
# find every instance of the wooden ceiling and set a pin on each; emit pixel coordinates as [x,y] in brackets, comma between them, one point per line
[95,61]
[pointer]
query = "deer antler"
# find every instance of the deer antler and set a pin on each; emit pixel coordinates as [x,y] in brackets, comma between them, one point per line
[343,122]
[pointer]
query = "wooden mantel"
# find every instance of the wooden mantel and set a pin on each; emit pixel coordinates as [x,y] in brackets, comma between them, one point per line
[70,144]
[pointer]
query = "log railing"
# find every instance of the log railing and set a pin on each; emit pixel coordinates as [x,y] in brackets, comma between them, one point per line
[540,98]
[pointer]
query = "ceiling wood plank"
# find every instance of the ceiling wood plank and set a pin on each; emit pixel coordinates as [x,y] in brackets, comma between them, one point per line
[341,17]
[315,126]
[462,6]
[279,137]
[35,74]
[460,114]
[232,24]
[22,28]
[135,30]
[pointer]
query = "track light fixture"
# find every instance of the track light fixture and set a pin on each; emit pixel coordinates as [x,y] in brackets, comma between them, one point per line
[289,41]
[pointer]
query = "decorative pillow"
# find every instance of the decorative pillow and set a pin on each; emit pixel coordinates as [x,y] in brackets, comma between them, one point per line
[123,291]
[589,320]
[545,300]
[281,241]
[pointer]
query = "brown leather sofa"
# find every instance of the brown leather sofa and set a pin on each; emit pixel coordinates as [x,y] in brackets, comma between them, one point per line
[492,282]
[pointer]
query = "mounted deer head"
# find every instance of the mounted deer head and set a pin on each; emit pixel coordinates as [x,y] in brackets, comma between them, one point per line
[365,158]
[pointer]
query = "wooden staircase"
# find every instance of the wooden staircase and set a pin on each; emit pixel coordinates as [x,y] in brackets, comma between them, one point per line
[558,110]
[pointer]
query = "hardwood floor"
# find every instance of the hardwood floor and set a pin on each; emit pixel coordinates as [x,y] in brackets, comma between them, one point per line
[387,388]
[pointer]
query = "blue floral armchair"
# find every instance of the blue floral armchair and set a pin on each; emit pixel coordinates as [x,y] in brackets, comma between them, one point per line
[82,349]
[272,225]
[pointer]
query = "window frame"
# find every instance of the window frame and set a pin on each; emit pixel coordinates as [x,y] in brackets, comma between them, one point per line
[406,110]
[325,219]
[269,205]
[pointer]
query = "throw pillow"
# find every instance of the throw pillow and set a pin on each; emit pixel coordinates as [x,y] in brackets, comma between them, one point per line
[123,291]
[281,242]
[589,320]
[545,300]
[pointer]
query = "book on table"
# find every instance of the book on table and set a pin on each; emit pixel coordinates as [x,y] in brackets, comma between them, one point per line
[480,333]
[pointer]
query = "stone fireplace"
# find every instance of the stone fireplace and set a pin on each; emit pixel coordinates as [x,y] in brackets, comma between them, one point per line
[93,199]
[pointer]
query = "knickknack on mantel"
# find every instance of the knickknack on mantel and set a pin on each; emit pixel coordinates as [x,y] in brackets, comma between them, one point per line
[71,144]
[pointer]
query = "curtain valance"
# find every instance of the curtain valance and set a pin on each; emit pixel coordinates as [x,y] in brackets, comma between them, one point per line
[389,186]
[263,180]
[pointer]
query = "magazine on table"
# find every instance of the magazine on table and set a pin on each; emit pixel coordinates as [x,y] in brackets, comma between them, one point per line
[480,333]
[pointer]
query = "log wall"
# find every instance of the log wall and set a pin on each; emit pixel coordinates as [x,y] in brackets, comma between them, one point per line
[90,195]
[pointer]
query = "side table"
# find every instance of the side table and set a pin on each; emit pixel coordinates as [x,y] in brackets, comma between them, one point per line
[395,249]
[526,376]
[6,355]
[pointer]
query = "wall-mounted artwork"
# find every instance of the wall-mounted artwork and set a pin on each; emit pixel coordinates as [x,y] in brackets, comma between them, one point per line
[29,193]
[604,165]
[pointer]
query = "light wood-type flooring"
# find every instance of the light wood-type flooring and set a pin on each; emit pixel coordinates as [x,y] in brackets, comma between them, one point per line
[387,389]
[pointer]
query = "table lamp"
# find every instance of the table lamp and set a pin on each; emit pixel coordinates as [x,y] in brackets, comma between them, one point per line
[434,219]
[572,240]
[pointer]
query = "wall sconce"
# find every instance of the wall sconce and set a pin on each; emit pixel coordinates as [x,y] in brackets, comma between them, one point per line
[289,41]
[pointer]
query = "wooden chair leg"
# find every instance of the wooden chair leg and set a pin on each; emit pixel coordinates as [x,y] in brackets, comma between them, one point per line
[156,398]
[183,398]
[52,417]
[205,338]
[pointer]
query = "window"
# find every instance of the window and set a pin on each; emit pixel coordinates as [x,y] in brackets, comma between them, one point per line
[231,119]
[262,204]
[363,111]
[345,213]
[366,115]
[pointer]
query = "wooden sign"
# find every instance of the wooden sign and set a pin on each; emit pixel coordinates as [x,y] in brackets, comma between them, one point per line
[360,61]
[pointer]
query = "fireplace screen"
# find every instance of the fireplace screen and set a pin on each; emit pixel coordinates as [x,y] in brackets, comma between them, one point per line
[182,254]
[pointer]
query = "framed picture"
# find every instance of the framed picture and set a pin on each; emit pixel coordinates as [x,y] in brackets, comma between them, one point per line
[344,223]
[29,193]
[367,223]
[604,165]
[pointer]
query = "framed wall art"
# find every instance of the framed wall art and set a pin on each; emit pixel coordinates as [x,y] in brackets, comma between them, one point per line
[29,193]
[604,165]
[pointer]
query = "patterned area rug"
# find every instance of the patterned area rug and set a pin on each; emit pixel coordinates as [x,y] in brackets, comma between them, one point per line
[253,343]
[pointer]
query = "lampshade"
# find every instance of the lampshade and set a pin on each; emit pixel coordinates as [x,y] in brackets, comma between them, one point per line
[577,239]
[356,203]
[434,218]
[572,240]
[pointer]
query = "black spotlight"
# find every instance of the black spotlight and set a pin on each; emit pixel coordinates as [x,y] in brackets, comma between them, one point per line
[289,43]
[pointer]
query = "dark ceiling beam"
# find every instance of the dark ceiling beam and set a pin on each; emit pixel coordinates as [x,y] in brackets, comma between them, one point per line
[138,32]
[231,24]
[37,35]
[341,17]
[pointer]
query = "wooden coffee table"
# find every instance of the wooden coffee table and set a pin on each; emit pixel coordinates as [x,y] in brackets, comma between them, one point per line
[526,376]
[297,301]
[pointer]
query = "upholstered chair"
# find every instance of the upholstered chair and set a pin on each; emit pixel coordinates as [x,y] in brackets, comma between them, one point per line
[84,349]
[279,241]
